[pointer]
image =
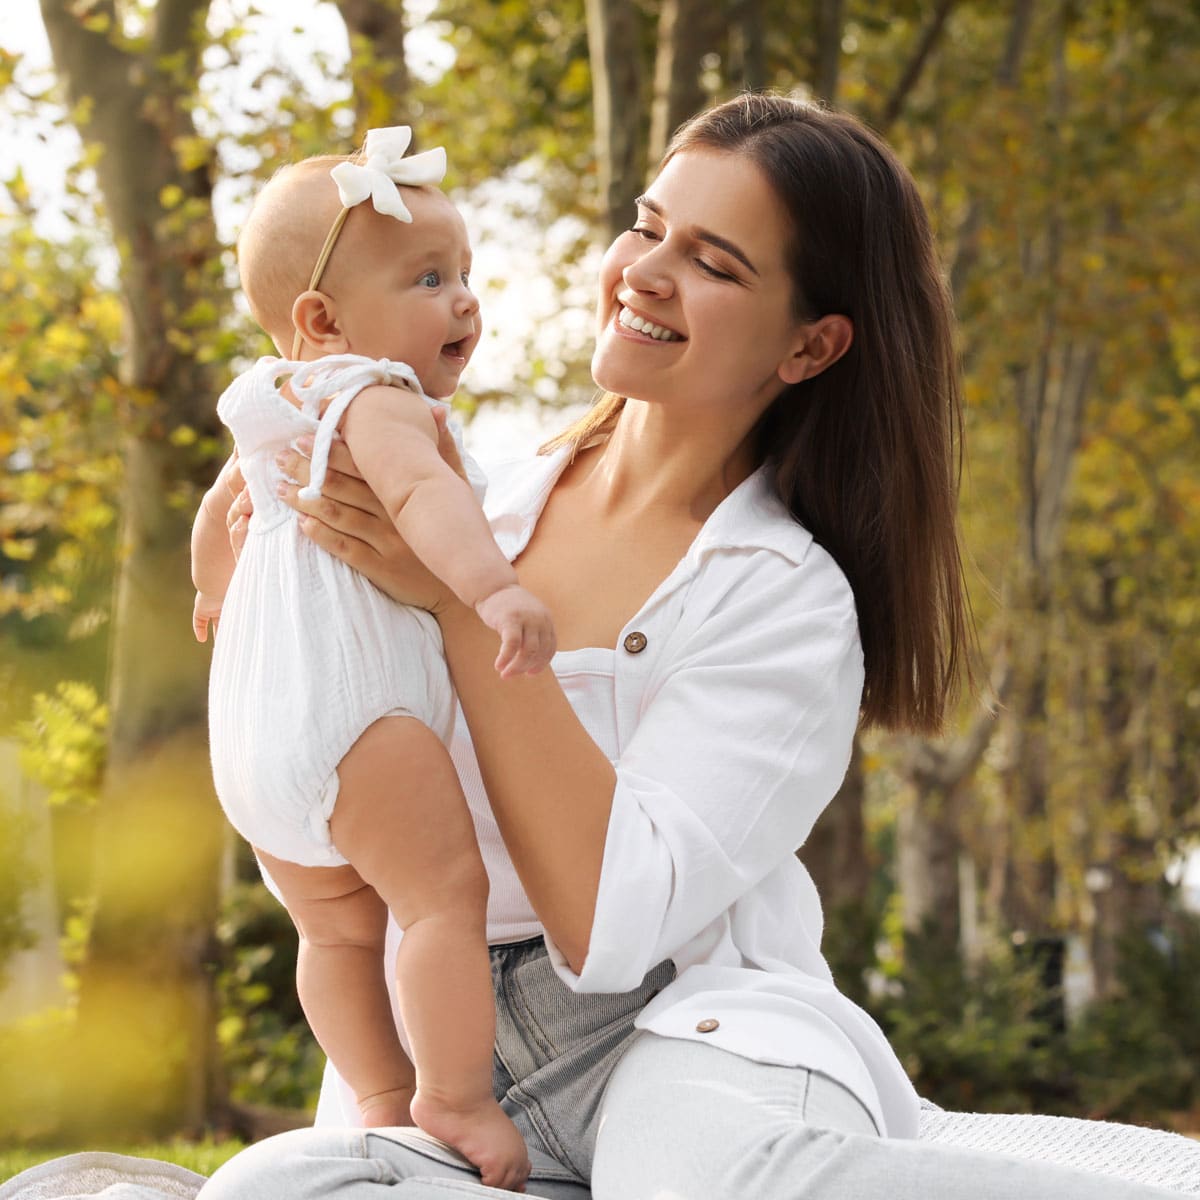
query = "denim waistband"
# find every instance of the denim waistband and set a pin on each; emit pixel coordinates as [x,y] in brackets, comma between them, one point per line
[556,1048]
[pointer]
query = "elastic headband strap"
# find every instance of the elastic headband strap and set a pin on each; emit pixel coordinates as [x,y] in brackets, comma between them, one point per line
[322,262]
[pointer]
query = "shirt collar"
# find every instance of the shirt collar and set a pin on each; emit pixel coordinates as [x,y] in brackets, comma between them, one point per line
[751,517]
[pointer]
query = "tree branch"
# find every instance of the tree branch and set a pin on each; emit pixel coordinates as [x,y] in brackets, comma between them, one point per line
[916,65]
[378,67]
[932,768]
[1014,48]
[82,53]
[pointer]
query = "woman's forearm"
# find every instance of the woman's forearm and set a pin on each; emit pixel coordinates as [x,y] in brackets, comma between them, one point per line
[550,786]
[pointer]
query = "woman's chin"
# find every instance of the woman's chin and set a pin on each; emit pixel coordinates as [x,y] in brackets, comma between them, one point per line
[609,377]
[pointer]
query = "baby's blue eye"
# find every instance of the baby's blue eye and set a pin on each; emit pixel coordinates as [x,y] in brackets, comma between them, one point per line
[431,279]
[466,278]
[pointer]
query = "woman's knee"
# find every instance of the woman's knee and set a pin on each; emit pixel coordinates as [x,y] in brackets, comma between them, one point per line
[297,1165]
[684,1121]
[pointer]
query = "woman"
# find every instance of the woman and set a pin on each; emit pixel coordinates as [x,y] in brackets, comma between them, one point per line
[749,541]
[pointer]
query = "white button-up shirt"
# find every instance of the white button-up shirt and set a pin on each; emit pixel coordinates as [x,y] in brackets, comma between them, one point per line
[728,707]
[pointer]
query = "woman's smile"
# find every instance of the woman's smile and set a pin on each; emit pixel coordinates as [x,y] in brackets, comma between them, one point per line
[640,327]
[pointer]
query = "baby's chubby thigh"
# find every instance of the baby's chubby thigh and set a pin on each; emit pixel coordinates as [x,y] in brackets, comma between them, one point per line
[402,821]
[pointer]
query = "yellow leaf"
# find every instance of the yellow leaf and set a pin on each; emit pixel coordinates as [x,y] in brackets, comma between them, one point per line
[18,549]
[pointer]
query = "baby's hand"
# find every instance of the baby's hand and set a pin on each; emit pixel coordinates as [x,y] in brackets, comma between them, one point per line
[526,631]
[205,611]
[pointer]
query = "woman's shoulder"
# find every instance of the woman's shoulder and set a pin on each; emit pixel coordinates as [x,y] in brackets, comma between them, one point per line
[753,542]
[513,479]
[517,490]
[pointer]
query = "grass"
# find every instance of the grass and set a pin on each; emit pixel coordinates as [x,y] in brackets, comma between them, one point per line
[204,1157]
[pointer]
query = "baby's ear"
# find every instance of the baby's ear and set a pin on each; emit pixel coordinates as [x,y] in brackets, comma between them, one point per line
[314,315]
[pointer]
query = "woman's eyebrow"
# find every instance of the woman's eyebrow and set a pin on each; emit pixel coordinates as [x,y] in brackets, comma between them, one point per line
[703,235]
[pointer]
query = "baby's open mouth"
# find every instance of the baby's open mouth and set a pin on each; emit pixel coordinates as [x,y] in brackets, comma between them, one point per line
[455,349]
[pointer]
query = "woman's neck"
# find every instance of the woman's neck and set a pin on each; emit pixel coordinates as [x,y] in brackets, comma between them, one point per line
[651,462]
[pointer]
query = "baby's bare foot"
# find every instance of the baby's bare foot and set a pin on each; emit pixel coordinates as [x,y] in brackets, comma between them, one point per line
[480,1133]
[387,1108]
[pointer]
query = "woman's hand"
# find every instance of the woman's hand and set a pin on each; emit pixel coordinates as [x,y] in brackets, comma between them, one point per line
[349,522]
[241,507]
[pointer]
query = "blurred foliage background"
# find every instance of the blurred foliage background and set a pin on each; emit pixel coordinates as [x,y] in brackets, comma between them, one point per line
[1007,901]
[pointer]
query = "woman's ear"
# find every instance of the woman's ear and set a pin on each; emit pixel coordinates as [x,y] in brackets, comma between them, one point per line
[314,315]
[819,345]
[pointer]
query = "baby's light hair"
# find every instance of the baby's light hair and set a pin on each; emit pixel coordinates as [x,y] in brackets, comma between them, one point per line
[282,238]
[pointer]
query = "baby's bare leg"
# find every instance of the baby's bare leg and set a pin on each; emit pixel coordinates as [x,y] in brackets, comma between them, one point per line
[402,820]
[342,985]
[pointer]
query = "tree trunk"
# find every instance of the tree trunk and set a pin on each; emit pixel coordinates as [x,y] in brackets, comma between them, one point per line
[835,852]
[145,1009]
[1051,390]
[1127,891]
[1031,874]
[687,31]
[932,849]
[378,68]
[747,50]
[911,75]
[838,859]
[929,845]
[615,55]
[827,57]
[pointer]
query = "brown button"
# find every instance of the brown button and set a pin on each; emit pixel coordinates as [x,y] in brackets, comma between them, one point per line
[707,1025]
[635,642]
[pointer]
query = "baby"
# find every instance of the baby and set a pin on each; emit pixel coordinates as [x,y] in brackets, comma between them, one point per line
[329,704]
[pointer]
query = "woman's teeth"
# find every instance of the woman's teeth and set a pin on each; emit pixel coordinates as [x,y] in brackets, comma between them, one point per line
[641,325]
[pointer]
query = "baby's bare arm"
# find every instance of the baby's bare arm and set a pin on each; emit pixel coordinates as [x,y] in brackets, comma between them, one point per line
[393,438]
[212,555]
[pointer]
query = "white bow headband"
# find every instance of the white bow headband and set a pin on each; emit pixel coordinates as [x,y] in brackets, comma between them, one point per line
[378,177]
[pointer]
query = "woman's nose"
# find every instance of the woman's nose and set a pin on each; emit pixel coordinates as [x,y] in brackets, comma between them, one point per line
[650,274]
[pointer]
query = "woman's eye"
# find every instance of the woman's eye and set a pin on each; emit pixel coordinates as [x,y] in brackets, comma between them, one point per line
[646,234]
[431,279]
[712,271]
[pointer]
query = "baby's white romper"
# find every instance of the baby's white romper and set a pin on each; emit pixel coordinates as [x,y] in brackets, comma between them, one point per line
[308,652]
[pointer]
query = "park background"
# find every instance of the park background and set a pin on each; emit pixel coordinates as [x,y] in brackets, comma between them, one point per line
[1012,901]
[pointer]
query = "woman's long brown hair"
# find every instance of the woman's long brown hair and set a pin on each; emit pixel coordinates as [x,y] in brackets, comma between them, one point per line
[866,455]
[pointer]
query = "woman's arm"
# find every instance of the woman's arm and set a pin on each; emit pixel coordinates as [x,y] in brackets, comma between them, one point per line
[549,785]
[736,750]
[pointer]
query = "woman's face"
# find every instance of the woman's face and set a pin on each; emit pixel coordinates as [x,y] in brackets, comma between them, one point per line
[695,304]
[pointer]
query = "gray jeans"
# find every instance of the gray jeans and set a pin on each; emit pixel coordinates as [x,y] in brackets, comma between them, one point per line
[610,1114]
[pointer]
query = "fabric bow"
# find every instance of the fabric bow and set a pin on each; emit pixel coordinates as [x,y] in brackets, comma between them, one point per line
[385,167]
